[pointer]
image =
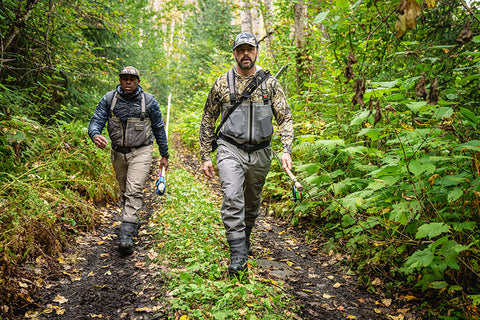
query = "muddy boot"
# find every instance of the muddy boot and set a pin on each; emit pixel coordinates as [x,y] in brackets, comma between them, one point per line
[238,255]
[128,230]
[248,232]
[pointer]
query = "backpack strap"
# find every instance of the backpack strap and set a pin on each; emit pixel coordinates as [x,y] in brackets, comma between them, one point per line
[231,86]
[143,107]
[265,95]
[113,103]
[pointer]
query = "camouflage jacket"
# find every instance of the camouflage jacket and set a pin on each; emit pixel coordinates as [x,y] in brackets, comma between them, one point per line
[219,95]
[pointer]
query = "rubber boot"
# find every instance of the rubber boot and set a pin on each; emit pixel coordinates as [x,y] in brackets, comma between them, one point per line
[238,255]
[248,232]
[128,230]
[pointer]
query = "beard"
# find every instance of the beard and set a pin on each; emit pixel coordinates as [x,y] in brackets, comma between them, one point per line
[246,64]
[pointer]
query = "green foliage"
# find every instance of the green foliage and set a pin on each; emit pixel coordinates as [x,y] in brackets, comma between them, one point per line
[190,238]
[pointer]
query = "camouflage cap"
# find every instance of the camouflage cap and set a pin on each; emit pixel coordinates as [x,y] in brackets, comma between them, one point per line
[130,71]
[245,38]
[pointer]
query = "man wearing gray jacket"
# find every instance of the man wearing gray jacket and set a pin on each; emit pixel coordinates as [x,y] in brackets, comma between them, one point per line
[244,152]
[134,121]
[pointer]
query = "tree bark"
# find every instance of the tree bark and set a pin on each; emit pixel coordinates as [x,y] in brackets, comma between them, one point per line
[300,15]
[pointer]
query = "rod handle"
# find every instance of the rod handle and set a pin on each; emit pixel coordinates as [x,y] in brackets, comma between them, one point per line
[294,179]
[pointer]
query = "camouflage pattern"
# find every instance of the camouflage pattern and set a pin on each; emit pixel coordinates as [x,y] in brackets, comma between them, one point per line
[219,94]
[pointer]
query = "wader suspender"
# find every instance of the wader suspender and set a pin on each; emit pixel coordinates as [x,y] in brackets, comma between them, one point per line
[249,89]
[114,102]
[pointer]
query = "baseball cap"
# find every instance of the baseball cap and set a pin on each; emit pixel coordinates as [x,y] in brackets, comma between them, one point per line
[245,38]
[130,71]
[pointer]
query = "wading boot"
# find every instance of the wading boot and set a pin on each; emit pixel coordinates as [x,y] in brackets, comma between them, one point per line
[128,230]
[248,232]
[238,255]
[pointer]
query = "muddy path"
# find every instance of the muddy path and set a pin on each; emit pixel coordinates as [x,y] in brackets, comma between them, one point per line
[96,282]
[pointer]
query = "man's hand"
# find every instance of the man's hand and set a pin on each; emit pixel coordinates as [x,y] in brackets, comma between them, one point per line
[100,141]
[286,161]
[164,163]
[207,168]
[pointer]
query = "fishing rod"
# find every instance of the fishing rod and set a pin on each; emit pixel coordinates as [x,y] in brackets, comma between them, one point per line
[297,188]
[161,182]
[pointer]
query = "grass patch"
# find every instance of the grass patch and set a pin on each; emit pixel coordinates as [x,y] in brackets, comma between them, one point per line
[193,252]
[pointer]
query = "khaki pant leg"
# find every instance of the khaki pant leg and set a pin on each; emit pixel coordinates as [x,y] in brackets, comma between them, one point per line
[138,165]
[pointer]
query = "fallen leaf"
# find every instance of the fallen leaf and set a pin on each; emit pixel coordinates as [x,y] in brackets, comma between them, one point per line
[95,315]
[104,255]
[331,277]
[152,254]
[60,299]
[376,282]
[410,298]
[22,284]
[337,285]
[327,296]
[101,242]
[91,274]
[387,302]
[341,308]
[108,273]
[350,317]
[184,317]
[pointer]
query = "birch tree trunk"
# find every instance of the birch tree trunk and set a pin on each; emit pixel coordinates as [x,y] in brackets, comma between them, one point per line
[246,16]
[267,22]
[300,15]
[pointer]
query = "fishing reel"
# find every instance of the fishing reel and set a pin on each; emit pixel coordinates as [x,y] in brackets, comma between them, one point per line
[297,196]
[161,185]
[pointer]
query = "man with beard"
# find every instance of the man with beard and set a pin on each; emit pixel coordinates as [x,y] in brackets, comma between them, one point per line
[244,152]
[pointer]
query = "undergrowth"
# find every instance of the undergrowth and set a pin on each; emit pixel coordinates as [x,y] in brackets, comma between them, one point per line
[51,179]
[192,247]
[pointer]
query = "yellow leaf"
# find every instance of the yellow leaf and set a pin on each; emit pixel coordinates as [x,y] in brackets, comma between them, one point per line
[410,298]
[101,242]
[95,315]
[108,273]
[337,285]
[350,317]
[104,255]
[91,274]
[387,302]
[60,299]
[376,282]
[59,311]
[184,317]
[327,296]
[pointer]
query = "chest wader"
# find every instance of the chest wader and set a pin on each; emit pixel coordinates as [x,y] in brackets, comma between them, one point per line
[243,168]
[131,168]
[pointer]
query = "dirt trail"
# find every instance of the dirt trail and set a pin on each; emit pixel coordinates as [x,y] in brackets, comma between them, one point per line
[97,283]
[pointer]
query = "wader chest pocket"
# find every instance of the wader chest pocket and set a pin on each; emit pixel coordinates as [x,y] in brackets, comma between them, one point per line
[139,127]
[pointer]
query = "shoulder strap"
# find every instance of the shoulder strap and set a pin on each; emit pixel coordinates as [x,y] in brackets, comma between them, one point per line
[143,107]
[231,85]
[113,103]
[249,89]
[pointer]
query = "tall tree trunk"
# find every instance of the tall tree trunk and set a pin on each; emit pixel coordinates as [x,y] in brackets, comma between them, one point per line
[257,28]
[267,22]
[300,36]
[246,16]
